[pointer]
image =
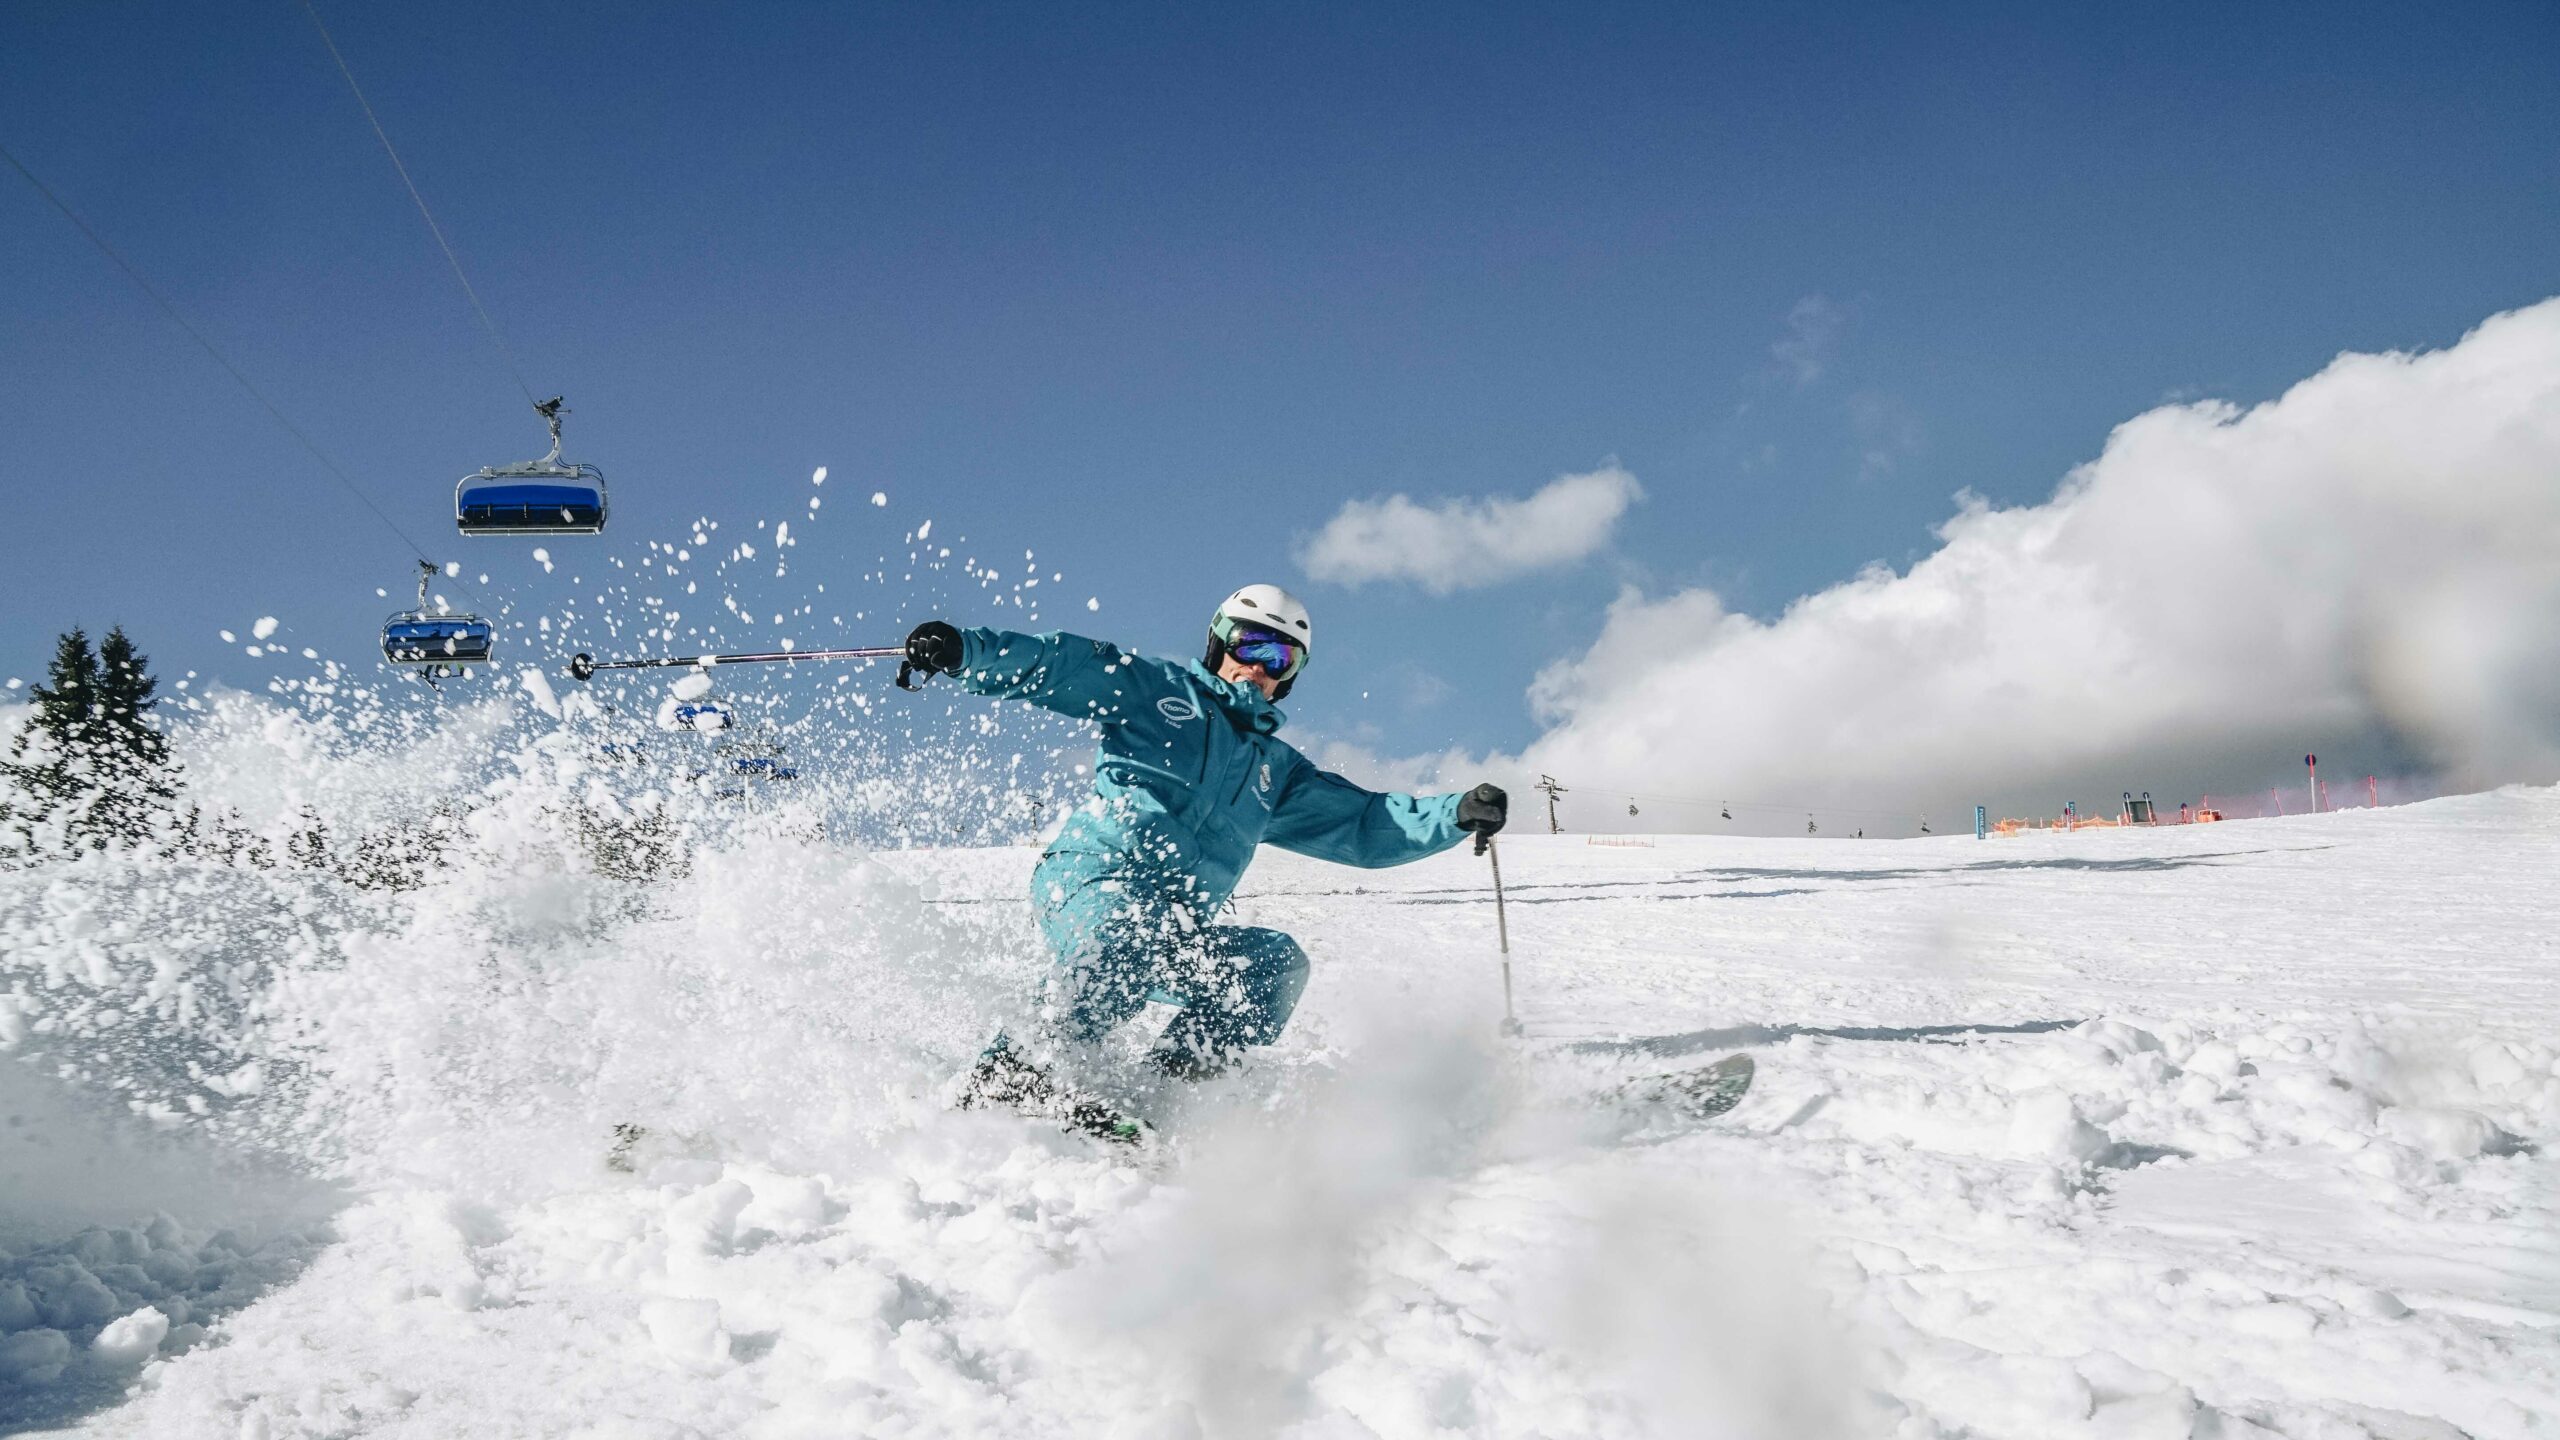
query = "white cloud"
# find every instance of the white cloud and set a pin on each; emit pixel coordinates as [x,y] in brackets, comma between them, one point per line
[1885,430]
[2367,567]
[1814,327]
[1464,544]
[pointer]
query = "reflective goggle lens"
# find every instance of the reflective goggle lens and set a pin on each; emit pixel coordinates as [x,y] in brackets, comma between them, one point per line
[1277,654]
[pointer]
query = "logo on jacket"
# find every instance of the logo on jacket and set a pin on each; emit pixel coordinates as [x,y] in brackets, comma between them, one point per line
[1177,709]
[1266,775]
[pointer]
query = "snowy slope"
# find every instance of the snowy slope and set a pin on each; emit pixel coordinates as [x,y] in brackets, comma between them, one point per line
[2212,1131]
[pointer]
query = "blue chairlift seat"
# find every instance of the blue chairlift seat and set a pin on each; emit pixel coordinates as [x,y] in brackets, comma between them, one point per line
[494,502]
[442,644]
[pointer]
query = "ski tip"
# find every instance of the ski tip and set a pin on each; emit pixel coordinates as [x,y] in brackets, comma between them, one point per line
[1702,1093]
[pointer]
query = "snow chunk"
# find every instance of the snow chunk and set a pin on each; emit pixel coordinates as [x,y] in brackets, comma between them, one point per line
[792,1206]
[693,686]
[265,627]
[819,476]
[538,685]
[34,1357]
[2440,1134]
[2047,1126]
[707,1220]
[688,1332]
[2217,1059]
[2374,1304]
[130,1341]
[1093,602]
[879,497]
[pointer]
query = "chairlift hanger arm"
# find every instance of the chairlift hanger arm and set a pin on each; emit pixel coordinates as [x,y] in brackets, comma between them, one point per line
[582,666]
[551,410]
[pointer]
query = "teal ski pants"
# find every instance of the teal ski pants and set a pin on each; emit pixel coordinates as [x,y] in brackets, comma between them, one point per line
[1119,943]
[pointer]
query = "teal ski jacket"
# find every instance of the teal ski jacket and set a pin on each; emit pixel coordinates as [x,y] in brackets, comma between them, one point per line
[1191,778]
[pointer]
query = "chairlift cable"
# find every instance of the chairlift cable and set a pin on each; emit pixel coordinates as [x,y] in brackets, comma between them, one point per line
[496,337]
[180,320]
[1745,804]
[1726,807]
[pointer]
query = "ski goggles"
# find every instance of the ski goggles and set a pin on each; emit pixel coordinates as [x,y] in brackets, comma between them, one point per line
[1275,654]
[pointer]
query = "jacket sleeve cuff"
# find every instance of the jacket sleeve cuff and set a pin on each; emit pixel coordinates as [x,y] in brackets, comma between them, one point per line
[981,648]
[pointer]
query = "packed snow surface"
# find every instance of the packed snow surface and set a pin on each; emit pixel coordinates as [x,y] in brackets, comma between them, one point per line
[2214,1131]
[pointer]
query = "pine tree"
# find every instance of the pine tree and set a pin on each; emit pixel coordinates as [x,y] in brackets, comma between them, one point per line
[88,760]
[38,770]
[125,689]
[129,757]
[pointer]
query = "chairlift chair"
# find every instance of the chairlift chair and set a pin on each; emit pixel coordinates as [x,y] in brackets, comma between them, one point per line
[438,644]
[538,497]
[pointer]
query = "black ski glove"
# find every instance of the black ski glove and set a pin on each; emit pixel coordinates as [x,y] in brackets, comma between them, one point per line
[932,647]
[1483,809]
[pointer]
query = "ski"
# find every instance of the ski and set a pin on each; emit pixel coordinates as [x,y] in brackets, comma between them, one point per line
[1699,1094]
[1005,1077]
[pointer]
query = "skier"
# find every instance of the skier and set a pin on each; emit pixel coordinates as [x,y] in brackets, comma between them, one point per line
[1189,781]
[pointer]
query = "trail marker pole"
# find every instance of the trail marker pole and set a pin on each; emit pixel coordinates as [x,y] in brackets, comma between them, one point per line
[1502,930]
[2312,764]
[2373,792]
[1981,823]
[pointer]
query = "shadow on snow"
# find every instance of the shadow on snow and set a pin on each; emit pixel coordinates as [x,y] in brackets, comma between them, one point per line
[1743,1037]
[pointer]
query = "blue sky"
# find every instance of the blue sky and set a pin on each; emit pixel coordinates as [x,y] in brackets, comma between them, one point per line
[1154,293]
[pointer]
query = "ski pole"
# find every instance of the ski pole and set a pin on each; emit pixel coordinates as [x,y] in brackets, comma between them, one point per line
[1501,928]
[584,666]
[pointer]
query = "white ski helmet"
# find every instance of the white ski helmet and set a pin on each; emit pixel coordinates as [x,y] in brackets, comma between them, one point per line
[1262,607]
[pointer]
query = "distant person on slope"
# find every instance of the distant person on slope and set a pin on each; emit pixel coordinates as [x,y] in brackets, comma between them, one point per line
[1189,781]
